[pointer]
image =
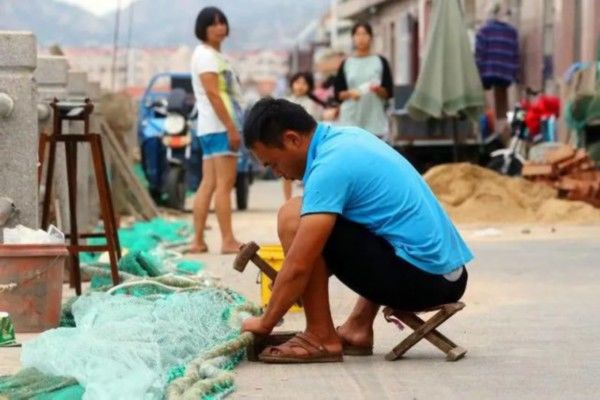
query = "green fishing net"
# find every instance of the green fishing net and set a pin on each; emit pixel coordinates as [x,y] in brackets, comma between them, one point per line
[145,236]
[169,337]
[30,383]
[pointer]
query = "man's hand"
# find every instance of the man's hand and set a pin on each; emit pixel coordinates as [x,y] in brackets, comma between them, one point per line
[256,326]
[234,138]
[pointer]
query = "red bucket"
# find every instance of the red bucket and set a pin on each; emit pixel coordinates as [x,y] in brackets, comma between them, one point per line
[31,281]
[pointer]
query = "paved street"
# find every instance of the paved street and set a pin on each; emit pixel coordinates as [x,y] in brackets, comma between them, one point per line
[531,324]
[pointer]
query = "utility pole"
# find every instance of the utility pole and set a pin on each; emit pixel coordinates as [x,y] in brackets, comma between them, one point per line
[115,46]
[130,63]
[333,26]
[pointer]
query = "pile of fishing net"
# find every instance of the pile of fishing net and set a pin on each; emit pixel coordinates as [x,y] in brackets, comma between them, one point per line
[151,244]
[169,336]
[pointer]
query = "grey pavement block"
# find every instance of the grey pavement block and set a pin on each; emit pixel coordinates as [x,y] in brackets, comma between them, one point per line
[77,84]
[18,49]
[19,130]
[52,71]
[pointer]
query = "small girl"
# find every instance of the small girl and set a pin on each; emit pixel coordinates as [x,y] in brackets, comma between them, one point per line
[302,86]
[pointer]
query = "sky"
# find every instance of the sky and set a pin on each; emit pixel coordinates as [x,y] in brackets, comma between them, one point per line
[98,7]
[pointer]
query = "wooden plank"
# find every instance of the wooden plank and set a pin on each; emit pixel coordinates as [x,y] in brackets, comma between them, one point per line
[530,169]
[562,153]
[121,197]
[137,194]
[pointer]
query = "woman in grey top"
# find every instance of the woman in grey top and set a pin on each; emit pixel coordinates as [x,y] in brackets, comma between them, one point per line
[364,84]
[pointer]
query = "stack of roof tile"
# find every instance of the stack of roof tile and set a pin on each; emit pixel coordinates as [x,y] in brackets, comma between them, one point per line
[570,171]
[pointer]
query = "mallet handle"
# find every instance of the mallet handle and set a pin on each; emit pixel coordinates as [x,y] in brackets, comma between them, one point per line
[264,267]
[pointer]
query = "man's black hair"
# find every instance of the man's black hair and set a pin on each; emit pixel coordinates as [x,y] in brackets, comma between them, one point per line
[270,118]
[207,17]
[362,24]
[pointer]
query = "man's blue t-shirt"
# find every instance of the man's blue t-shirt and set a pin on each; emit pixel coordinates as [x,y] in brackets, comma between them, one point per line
[352,173]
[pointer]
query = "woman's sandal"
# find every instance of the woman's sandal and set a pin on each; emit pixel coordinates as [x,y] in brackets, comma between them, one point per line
[354,350]
[315,352]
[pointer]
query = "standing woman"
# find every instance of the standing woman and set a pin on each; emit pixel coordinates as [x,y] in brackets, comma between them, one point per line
[217,91]
[364,84]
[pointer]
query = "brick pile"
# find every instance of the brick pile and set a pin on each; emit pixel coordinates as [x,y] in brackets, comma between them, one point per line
[570,171]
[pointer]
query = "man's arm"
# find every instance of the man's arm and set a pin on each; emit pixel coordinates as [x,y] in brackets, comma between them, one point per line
[312,234]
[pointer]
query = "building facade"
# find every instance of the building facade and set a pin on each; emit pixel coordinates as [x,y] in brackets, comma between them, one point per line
[132,69]
[553,33]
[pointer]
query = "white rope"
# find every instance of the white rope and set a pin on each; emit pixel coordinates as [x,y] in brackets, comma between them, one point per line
[142,282]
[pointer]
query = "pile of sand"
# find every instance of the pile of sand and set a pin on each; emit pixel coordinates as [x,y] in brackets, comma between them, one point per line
[471,194]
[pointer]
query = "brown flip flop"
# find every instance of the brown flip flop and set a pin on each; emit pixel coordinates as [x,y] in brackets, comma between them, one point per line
[315,352]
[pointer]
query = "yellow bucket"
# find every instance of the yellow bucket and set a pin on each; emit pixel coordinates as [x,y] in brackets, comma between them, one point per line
[272,254]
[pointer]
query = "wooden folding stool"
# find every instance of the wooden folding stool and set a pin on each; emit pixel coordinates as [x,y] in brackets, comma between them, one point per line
[426,329]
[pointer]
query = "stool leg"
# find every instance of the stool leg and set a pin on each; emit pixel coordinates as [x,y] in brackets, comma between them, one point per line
[453,352]
[48,188]
[41,155]
[419,333]
[114,250]
[71,156]
[109,204]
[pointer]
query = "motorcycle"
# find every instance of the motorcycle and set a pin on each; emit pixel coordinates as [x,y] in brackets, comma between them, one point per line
[171,152]
[177,140]
[531,122]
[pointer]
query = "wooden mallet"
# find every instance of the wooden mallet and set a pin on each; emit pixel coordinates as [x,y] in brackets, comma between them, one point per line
[247,253]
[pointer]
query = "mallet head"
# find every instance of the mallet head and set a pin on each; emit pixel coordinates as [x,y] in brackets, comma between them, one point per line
[247,251]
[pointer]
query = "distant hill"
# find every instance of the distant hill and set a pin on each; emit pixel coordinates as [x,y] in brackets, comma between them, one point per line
[255,24]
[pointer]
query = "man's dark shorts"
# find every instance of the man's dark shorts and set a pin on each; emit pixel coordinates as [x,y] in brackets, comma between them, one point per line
[367,264]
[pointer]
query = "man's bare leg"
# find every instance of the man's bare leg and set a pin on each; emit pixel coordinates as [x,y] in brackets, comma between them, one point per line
[358,328]
[316,295]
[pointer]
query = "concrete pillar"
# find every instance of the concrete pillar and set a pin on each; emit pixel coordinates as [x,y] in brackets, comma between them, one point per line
[51,77]
[19,125]
[77,90]
[77,85]
[531,38]
[590,29]
[564,31]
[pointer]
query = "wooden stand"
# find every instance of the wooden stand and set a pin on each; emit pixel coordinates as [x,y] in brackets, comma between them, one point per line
[426,330]
[79,112]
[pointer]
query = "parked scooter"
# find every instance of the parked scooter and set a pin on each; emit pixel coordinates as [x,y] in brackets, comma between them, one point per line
[177,139]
